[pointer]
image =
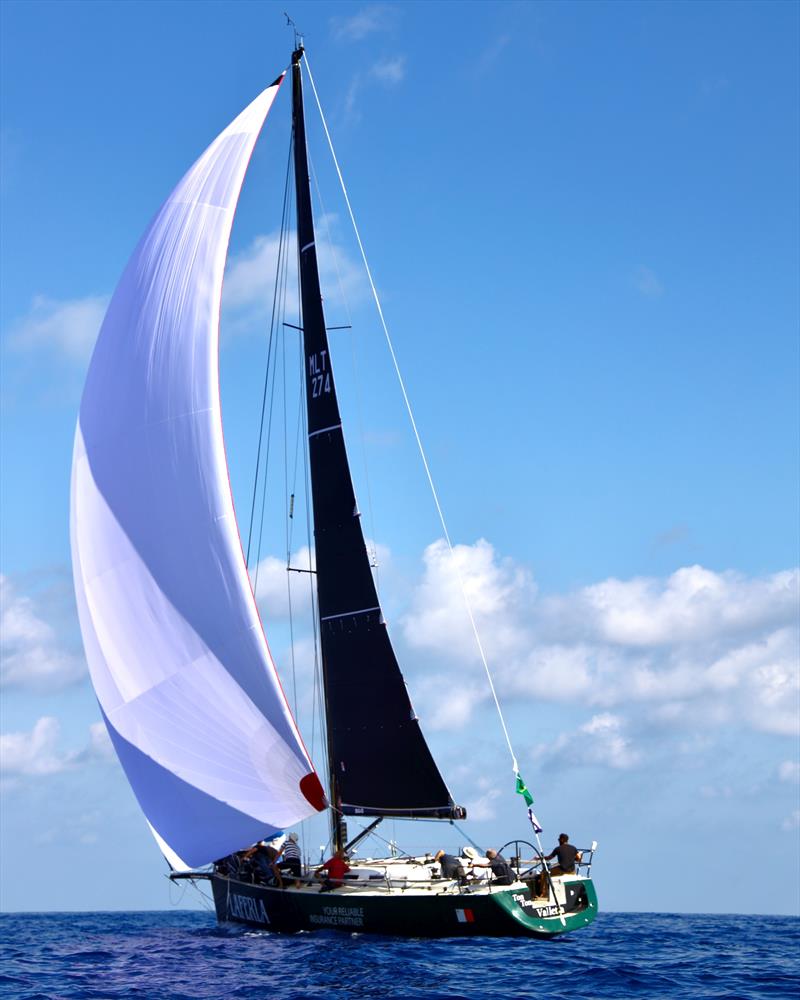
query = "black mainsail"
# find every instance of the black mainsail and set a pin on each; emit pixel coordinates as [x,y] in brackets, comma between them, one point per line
[380,764]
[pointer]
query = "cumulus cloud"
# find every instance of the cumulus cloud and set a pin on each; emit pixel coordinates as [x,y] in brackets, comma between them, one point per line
[33,752]
[69,326]
[721,646]
[31,654]
[603,741]
[692,605]
[36,754]
[450,712]
[498,592]
[482,806]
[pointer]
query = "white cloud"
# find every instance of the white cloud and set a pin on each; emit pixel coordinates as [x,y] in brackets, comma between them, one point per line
[368,21]
[250,275]
[350,110]
[721,646]
[390,71]
[30,652]
[482,806]
[648,284]
[442,704]
[789,770]
[32,753]
[36,754]
[693,604]
[272,580]
[100,745]
[497,591]
[70,326]
[602,741]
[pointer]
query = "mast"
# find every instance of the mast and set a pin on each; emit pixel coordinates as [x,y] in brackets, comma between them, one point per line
[317,367]
[379,762]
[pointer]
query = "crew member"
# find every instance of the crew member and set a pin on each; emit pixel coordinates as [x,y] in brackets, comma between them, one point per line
[291,860]
[451,866]
[567,856]
[264,857]
[336,867]
[501,870]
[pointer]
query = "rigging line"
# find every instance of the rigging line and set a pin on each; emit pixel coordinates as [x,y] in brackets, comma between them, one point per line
[287,514]
[269,350]
[289,523]
[290,530]
[269,429]
[299,431]
[289,541]
[356,376]
[414,427]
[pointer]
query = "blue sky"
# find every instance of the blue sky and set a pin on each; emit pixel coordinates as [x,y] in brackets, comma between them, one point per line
[583,223]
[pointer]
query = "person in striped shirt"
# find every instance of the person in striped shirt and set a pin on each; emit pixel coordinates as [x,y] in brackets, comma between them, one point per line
[291,859]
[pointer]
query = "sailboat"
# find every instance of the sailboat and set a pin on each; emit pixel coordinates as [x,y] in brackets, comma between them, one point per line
[177,654]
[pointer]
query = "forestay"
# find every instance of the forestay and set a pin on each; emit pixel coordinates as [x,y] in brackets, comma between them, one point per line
[175,647]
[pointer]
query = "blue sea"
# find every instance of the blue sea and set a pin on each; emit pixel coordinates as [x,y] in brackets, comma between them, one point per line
[183,954]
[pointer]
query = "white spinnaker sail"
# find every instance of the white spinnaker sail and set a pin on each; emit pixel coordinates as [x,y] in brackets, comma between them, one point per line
[175,647]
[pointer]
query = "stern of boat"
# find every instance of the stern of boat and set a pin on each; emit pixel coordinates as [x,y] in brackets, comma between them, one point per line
[570,905]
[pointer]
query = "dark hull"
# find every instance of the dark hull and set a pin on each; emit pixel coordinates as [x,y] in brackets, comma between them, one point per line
[501,913]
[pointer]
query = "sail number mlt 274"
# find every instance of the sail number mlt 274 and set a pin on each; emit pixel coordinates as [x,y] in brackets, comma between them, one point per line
[319,373]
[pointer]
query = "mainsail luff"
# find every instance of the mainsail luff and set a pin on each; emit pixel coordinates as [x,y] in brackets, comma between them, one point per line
[379,761]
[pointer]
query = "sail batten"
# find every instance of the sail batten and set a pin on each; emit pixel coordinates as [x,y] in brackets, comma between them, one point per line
[173,639]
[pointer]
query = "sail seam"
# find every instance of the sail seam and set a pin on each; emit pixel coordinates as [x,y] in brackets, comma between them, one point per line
[349,614]
[324,430]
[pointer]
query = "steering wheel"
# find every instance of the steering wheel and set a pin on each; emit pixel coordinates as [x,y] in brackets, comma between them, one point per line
[517,844]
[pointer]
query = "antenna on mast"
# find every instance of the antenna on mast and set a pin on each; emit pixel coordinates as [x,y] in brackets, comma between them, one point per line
[298,37]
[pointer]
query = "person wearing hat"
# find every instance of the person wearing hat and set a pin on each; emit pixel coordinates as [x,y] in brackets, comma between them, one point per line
[291,859]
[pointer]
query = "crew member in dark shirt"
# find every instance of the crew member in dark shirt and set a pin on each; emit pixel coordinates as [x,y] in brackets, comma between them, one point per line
[501,869]
[567,856]
[451,866]
[263,857]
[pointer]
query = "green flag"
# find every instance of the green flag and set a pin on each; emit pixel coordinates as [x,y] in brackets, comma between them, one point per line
[523,791]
